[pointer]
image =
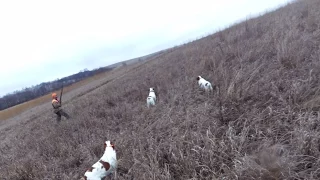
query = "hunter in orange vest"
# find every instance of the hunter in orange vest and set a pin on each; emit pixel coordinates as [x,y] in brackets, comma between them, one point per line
[57,108]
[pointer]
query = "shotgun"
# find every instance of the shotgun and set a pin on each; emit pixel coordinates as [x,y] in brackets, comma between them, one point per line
[61,95]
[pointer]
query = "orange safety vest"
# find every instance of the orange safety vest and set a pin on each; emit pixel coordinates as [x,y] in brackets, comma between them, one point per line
[54,100]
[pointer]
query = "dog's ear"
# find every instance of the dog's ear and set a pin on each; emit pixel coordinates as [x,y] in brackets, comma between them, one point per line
[112,144]
[90,169]
[105,165]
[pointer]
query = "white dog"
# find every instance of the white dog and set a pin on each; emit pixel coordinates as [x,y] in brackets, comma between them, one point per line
[105,166]
[151,100]
[204,84]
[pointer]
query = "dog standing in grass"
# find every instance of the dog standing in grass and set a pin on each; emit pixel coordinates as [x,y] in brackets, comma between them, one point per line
[204,84]
[105,166]
[151,99]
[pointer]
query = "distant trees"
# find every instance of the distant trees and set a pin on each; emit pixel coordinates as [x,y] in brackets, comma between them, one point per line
[33,92]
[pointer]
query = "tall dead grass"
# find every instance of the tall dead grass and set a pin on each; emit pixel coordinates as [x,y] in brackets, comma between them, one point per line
[261,123]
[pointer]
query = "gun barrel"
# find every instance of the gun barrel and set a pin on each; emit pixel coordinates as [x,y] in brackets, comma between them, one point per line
[61,95]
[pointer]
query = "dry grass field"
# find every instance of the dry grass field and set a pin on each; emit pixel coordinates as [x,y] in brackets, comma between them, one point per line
[18,109]
[76,89]
[262,122]
[37,106]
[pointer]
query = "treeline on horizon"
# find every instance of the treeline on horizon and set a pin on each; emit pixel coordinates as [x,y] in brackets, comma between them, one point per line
[27,94]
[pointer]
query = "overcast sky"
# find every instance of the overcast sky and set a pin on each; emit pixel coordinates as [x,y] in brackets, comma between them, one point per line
[44,40]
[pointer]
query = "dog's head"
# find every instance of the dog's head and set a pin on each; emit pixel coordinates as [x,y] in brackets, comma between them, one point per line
[198,78]
[108,144]
[151,89]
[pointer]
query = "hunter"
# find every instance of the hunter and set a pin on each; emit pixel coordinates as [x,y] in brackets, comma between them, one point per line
[57,107]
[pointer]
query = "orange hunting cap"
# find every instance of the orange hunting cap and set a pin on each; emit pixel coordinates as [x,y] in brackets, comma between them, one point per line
[54,95]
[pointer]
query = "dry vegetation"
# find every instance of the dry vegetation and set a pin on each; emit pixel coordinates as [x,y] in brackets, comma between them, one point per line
[18,109]
[10,112]
[261,123]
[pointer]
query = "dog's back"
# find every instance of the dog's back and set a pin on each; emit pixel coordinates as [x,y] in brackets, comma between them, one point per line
[151,99]
[153,95]
[204,84]
[105,166]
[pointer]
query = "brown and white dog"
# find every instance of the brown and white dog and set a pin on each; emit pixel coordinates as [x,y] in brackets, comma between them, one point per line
[204,84]
[151,99]
[105,166]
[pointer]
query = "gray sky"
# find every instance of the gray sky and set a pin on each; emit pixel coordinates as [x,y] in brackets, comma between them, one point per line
[44,40]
